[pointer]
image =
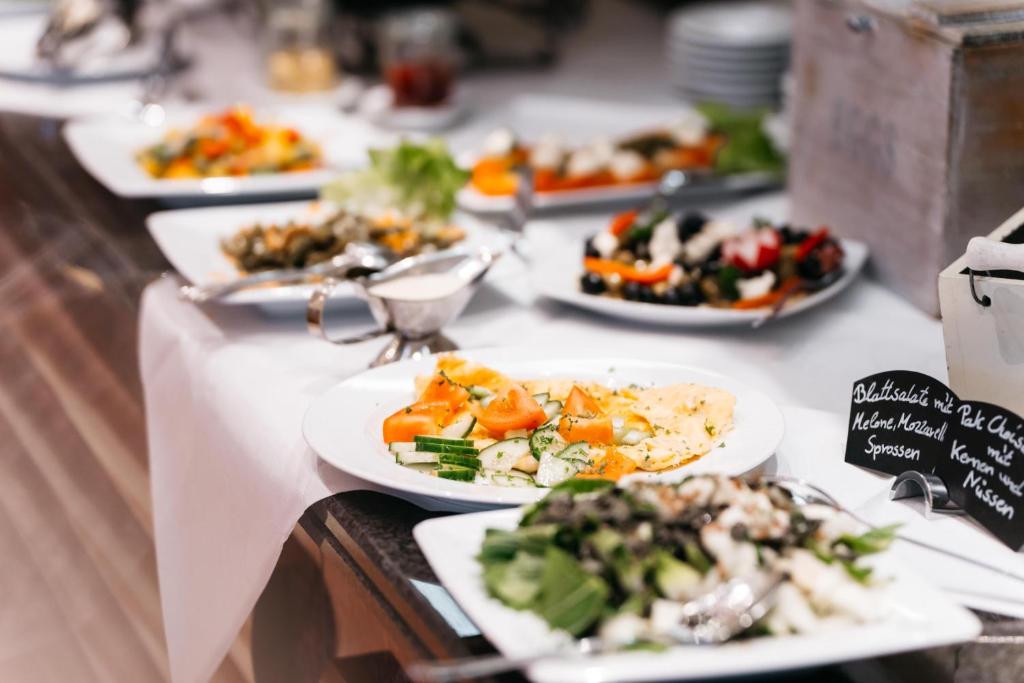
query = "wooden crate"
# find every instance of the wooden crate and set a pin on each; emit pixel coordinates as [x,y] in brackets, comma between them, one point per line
[908,128]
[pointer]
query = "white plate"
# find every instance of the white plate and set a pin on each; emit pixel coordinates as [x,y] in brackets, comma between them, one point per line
[344,425]
[106,147]
[557,266]
[920,617]
[471,199]
[190,239]
[748,24]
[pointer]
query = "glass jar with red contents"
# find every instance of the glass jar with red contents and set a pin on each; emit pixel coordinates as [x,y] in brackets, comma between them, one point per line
[418,56]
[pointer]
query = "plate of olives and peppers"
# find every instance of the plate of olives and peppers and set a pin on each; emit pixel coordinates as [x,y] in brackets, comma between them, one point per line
[654,265]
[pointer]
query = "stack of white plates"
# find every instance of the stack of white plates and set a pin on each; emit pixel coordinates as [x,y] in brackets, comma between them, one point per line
[733,51]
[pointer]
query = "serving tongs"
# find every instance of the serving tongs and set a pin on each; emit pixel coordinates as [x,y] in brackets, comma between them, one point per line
[359,258]
[710,619]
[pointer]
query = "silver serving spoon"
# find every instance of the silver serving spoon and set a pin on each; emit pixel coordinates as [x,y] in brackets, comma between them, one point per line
[711,619]
[806,493]
[362,255]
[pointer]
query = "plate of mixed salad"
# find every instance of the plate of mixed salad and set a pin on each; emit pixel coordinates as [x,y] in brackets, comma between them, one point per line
[726,151]
[622,562]
[400,202]
[686,268]
[236,151]
[503,426]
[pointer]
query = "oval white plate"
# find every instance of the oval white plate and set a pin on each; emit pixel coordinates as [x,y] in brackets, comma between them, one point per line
[557,266]
[190,239]
[343,425]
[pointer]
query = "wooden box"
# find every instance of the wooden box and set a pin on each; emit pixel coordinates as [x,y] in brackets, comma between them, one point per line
[908,128]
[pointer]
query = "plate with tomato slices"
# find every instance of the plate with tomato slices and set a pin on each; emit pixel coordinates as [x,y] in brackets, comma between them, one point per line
[502,426]
[653,265]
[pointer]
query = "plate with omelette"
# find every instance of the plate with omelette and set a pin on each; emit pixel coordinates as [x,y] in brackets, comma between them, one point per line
[502,426]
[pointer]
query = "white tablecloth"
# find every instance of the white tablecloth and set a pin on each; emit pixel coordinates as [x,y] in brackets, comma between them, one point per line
[226,389]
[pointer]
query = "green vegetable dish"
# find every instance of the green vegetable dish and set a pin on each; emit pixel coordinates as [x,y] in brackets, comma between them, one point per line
[621,562]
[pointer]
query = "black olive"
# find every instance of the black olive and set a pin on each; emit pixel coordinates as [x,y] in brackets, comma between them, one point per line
[690,224]
[671,297]
[592,283]
[589,249]
[690,294]
[631,291]
[791,235]
[810,268]
[647,295]
[642,251]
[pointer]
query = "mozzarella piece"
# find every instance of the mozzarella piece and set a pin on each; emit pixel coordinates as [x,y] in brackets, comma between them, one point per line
[664,245]
[583,162]
[626,164]
[690,128]
[547,153]
[500,142]
[605,243]
[754,287]
[698,247]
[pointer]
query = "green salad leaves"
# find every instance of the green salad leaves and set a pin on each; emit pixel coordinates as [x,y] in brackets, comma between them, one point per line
[418,179]
[747,147]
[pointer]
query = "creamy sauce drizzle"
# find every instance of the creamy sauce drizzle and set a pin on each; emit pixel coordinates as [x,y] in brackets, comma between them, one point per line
[424,287]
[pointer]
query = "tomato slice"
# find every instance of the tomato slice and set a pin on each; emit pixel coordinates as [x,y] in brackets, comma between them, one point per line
[580,404]
[512,409]
[629,273]
[593,430]
[582,420]
[613,466]
[623,222]
[419,419]
[441,389]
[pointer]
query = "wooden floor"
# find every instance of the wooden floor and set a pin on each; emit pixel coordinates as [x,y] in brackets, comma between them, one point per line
[78,584]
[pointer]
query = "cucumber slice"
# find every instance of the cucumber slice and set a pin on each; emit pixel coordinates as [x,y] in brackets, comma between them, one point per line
[455,473]
[552,409]
[633,437]
[444,440]
[554,469]
[512,479]
[460,428]
[415,458]
[618,427]
[401,446]
[546,440]
[460,460]
[478,392]
[541,398]
[501,456]
[579,451]
[430,447]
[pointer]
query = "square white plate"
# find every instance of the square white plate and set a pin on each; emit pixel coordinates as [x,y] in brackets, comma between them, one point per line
[106,147]
[919,617]
[190,239]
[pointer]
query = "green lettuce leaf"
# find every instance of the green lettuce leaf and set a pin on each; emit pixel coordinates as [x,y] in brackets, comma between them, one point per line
[418,179]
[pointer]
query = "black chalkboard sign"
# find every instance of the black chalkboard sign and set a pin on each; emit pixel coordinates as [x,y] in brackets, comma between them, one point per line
[903,420]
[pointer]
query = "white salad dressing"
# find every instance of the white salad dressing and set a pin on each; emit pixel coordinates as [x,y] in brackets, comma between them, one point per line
[423,287]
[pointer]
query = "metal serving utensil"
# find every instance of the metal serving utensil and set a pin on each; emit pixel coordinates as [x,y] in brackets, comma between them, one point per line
[711,619]
[804,287]
[415,324]
[357,255]
[806,493]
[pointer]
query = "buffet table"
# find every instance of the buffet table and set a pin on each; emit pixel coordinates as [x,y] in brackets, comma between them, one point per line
[226,390]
